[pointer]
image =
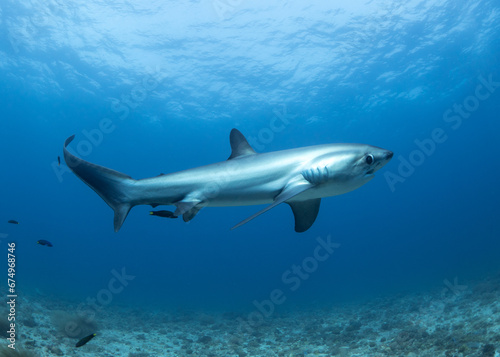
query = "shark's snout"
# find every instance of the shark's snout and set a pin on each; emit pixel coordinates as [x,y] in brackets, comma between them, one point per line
[382,158]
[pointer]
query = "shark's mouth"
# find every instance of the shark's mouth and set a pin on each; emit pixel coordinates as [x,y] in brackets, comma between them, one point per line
[370,172]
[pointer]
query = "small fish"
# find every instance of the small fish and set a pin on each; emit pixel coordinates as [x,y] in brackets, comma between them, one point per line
[13,221]
[163,213]
[58,161]
[85,340]
[44,242]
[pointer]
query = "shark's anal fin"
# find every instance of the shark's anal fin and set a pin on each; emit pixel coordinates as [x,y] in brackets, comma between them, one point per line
[305,213]
[290,191]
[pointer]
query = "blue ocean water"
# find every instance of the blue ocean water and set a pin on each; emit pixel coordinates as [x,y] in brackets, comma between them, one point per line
[156,87]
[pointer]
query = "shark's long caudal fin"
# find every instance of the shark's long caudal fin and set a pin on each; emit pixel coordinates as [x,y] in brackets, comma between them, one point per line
[113,186]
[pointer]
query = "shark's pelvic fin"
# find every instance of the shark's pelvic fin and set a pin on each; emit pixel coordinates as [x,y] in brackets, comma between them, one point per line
[239,145]
[187,208]
[112,186]
[189,215]
[305,213]
[291,190]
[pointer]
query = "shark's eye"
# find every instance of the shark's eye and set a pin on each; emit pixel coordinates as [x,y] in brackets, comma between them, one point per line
[369,159]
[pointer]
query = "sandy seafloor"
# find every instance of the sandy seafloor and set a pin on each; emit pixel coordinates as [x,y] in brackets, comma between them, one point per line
[455,320]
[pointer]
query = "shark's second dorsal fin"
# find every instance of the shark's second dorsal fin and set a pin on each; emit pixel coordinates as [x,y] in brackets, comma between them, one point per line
[239,145]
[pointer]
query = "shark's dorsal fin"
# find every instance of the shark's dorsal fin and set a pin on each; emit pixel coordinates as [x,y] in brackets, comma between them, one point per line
[239,145]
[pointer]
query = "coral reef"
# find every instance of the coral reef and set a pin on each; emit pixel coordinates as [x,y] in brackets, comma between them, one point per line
[18,352]
[441,323]
[73,325]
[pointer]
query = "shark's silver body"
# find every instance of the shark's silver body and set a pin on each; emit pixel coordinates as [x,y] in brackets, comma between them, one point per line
[299,177]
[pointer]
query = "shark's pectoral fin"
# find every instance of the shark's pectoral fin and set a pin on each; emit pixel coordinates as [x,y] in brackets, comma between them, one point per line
[290,191]
[305,213]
